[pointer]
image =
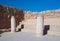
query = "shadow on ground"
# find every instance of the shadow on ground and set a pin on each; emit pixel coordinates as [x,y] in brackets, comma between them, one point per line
[1,33]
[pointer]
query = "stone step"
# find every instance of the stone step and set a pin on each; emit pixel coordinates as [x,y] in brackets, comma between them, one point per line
[55,28]
[29,30]
[29,26]
[53,32]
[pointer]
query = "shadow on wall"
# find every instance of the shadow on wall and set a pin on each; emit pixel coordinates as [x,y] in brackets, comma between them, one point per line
[46,28]
[22,27]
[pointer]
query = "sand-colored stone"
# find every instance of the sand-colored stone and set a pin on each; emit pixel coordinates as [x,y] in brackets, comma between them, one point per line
[51,17]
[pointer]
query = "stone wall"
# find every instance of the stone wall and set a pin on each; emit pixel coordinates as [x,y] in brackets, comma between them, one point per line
[5,16]
[46,14]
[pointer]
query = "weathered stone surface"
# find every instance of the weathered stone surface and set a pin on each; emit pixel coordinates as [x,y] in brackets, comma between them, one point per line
[5,16]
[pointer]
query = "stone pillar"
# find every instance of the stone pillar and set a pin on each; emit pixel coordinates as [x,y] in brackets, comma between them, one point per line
[13,24]
[39,26]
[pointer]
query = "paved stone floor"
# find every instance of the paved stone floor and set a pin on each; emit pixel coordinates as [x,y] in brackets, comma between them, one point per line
[26,36]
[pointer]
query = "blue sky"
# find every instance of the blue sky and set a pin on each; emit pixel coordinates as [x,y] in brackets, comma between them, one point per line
[32,5]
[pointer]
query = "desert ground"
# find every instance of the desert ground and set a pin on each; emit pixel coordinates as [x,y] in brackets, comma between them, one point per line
[26,36]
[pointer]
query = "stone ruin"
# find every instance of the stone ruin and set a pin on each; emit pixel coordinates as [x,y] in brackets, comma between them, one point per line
[51,17]
[5,16]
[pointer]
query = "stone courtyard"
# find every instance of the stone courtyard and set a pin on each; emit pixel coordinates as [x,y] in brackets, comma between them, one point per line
[29,20]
